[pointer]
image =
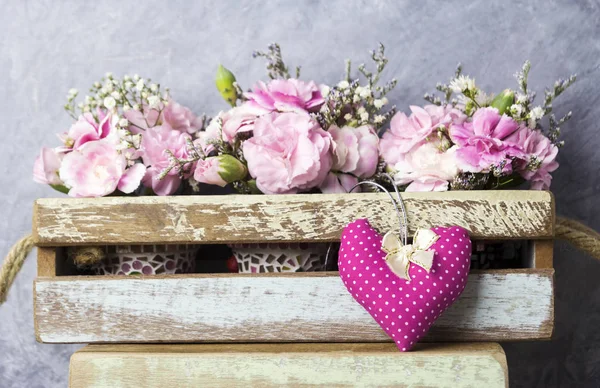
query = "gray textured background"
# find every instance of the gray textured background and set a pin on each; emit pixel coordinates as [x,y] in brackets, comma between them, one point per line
[46,47]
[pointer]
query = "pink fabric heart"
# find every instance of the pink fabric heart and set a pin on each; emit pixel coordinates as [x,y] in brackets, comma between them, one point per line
[404,310]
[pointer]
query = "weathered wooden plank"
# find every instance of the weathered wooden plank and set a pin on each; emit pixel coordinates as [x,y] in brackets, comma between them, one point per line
[289,365]
[260,218]
[543,253]
[501,305]
[46,261]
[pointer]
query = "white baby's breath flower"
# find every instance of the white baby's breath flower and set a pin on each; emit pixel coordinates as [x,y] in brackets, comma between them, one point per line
[97,84]
[365,92]
[521,98]
[123,123]
[73,92]
[153,101]
[364,116]
[379,119]
[116,95]
[123,145]
[361,110]
[80,105]
[378,103]
[109,75]
[325,91]
[136,77]
[109,102]
[516,110]
[144,94]
[343,84]
[154,87]
[126,107]
[356,99]
[126,77]
[537,113]
[140,84]
[136,107]
[86,108]
[531,123]
[128,84]
[347,117]
[462,83]
[483,99]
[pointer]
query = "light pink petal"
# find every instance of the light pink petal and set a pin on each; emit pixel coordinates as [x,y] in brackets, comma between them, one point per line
[132,178]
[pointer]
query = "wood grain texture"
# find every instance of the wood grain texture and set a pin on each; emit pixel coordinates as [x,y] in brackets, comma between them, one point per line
[46,261]
[261,218]
[543,253]
[289,365]
[500,305]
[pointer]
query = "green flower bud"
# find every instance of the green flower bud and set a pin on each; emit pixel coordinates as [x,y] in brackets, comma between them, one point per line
[503,101]
[253,188]
[469,106]
[224,81]
[231,169]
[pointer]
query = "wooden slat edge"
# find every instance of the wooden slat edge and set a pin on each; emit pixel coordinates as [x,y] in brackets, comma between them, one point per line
[495,307]
[543,253]
[440,365]
[46,261]
[261,218]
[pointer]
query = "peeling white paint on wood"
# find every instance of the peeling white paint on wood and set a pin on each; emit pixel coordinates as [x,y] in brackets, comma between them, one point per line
[501,305]
[254,218]
[289,365]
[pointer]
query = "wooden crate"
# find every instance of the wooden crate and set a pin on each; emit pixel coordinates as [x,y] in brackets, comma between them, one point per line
[497,305]
[289,365]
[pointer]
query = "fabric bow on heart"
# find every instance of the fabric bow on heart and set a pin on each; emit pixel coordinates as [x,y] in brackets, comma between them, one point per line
[399,256]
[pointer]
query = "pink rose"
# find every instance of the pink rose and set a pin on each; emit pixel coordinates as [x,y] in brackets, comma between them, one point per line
[285,95]
[405,133]
[181,118]
[426,168]
[539,158]
[356,150]
[288,153]
[46,166]
[86,129]
[207,171]
[155,142]
[98,169]
[482,141]
[339,183]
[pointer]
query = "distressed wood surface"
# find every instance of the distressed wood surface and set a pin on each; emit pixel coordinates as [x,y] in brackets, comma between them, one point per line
[543,254]
[289,365]
[46,261]
[260,218]
[500,305]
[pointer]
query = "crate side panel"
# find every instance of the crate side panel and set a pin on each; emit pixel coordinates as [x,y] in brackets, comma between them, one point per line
[495,306]
[261,218]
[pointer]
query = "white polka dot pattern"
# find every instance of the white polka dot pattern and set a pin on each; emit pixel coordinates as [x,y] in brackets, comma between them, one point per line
[404,310]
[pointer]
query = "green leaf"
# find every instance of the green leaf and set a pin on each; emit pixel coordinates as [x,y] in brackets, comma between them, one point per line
[62,188]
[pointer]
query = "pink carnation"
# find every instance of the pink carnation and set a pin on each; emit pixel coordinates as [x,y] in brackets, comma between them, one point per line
[539,151]
[339,183]
[181,118]
[405,133]
[288,153]
[285,95]
[482,141]
[227,125]
[155,142]
[86,129]
[46,166]
[98,169]
[173,114]
[356,150]
[207,171]
[426,168]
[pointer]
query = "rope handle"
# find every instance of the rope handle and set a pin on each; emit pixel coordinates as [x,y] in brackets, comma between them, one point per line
[574,232]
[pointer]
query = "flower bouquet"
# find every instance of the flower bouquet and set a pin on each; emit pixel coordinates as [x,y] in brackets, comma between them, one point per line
[475,141]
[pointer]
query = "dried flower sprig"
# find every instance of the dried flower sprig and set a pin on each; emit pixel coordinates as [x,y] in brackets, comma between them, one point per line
[350,103]
[276,67]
